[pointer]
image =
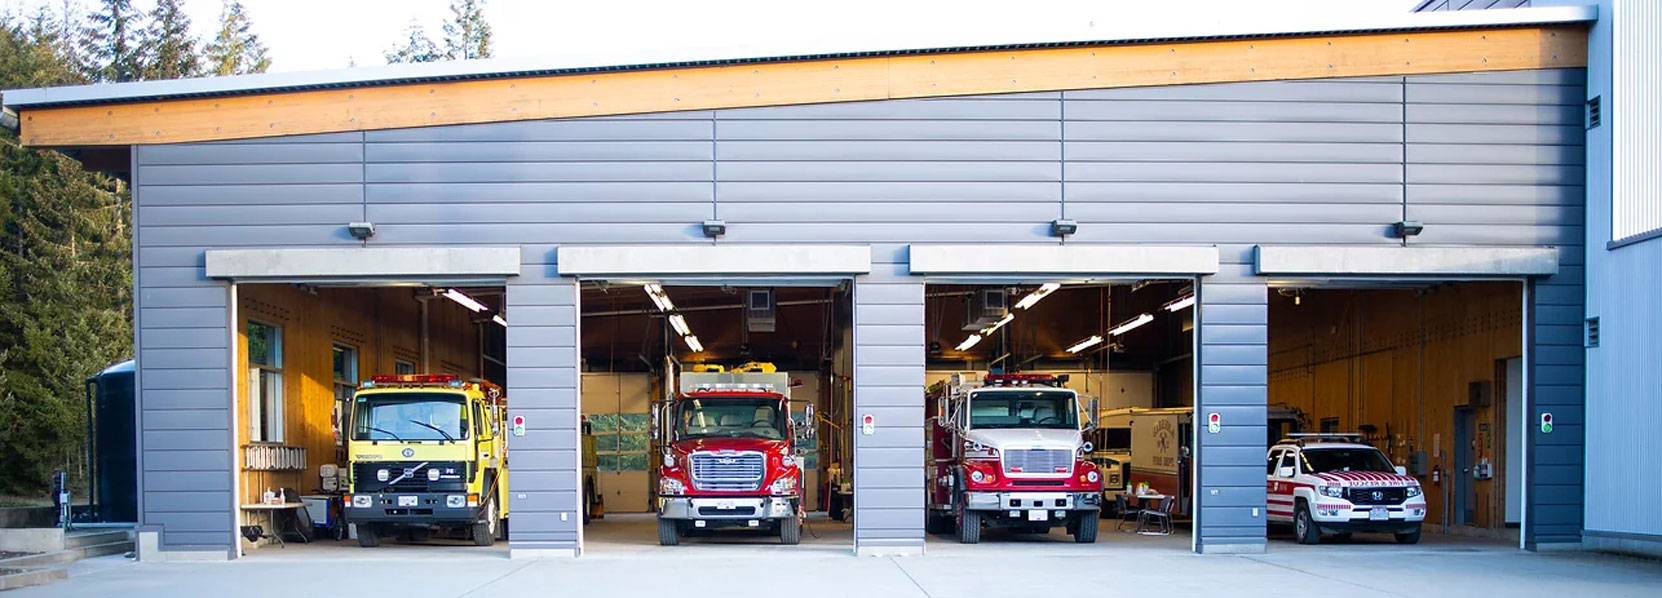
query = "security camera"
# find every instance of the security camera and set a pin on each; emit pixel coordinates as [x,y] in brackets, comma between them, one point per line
[1407,228]
[714,228]
[361,231]
[1063,227]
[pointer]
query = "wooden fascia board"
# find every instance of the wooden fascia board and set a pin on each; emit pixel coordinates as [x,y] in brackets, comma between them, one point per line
[805,82]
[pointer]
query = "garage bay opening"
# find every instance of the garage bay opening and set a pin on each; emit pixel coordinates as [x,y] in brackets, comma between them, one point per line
[1060,412]
[370,415]
[1403,407]
[716,414]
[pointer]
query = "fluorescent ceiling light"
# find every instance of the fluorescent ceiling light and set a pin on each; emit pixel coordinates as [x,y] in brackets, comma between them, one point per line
[969,342]
[692,343]
[1040,293]
[1131,324]
[659,297]
[679,323]
[499,320]
[1180,303]
[1086,344]
[464,300]
[999,324]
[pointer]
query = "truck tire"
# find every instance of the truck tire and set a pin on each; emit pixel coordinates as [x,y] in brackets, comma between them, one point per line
[368,536]
[1084,530]
[790,532]
[588,500]
[484,532]
[1412,537]
[669,532]
[969,527]
[1304,526]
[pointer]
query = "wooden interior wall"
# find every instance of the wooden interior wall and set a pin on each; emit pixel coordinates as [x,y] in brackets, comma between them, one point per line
[382,324]
[1402,361]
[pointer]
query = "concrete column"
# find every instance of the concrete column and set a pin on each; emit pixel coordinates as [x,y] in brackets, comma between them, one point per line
[1234,374]
[544,475]
[888,386]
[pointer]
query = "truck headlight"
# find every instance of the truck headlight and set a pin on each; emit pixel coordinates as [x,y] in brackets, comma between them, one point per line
[671,486]
[382,475]
[977,476]
[361,501]
[455,501]
[1413,491]
[432,474]
[783,485]
[1333,491]
[1093,477]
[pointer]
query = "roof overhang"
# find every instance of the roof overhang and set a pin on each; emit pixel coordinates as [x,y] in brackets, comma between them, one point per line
[634,261]
[1411,262]
[495,91]
[1061,260]
[347,263]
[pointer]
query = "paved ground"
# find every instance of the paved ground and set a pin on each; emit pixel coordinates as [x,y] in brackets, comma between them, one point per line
[624,560]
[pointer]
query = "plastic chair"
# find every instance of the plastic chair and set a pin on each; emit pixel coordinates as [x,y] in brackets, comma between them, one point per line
[1127,514]
[1160,514]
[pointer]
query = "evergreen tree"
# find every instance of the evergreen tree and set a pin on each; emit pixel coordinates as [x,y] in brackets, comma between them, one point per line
[467,34]
[417,47]
[236,50]
[65,278]
[112,41]
[169,49]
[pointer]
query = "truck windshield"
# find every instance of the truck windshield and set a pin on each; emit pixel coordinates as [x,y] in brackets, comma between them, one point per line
[1023,409]
[1335,459]
[409,417]
[730,417]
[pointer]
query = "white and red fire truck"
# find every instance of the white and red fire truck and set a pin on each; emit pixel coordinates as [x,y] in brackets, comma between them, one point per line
[1338,484]
[1011,453]
[729,457]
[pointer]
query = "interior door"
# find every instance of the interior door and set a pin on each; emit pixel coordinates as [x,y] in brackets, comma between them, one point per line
[1465,492]
[1280,491]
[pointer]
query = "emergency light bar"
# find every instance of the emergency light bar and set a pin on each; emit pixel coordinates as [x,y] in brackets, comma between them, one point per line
[749,387]
[447,380]
[1025,380]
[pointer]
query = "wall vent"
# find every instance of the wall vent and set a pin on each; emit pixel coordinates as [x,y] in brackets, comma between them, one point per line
[1593,112]
[1592,332]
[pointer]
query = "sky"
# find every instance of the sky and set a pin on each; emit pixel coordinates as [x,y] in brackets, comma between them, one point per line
[330,34]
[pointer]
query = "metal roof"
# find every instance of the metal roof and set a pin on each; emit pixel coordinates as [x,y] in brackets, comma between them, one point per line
[629,60]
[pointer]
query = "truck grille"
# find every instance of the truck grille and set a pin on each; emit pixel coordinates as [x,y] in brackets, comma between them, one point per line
[1038,461]
[1376,496]
[730,472]
[453,478]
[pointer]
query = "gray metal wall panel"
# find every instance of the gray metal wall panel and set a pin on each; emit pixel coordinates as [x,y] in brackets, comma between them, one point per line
[1311,162]
[1231,462]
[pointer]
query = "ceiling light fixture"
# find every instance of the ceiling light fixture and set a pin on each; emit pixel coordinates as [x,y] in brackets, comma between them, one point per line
[1086,344]
[499,320]
[1180,303]
[464,300]
[679,323]
[969,342]
[692,343]
[659,297]
[1131,324]
[1040,293]
[999,324]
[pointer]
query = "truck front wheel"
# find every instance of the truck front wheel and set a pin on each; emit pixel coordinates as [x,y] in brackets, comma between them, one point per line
[969,526]
[484,532]
[1409,537]
[1304,526]
[669,532]
[790,532]
[368,536]
[1084,527]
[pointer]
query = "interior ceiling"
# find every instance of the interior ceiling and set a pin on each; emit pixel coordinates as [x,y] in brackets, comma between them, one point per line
[624,330]
[1062,319]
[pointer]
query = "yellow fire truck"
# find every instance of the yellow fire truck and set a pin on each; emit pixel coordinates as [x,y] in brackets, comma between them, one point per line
[427,452]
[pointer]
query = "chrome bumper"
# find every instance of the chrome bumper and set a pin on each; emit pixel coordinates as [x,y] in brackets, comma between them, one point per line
[1034,501]
[778,507]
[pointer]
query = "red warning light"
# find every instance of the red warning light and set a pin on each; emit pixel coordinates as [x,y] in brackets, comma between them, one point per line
[519,420]
[1212,418]
[1547,418]
[867,420]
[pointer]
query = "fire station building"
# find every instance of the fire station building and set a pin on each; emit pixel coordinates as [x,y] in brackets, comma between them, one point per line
[1408,228]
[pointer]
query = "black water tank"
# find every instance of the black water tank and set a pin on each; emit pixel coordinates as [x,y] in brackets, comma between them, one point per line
[114,445]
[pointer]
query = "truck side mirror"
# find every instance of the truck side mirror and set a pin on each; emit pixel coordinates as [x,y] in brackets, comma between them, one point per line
[1402,470]
[808,423]
[1091,419]
[1285,472]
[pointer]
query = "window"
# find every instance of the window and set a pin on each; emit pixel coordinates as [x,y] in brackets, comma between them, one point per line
[411,417]
[1024,409]
[620,440]
[1274,460]
[265,383]
[1330,424]
[346,382]
[402,367]
[1335,459]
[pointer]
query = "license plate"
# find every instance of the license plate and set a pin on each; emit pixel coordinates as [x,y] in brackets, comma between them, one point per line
[406,501]
[1379,514]
[726,504]
[1038,515]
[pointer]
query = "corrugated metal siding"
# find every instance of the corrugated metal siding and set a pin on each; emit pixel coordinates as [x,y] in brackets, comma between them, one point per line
[1624,286]
[888,385]
[1308,162]
[1234,379]
[1443,5]
[1631,112]
[544,386]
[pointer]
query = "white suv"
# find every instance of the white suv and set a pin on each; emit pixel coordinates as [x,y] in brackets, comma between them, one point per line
[1337,484]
